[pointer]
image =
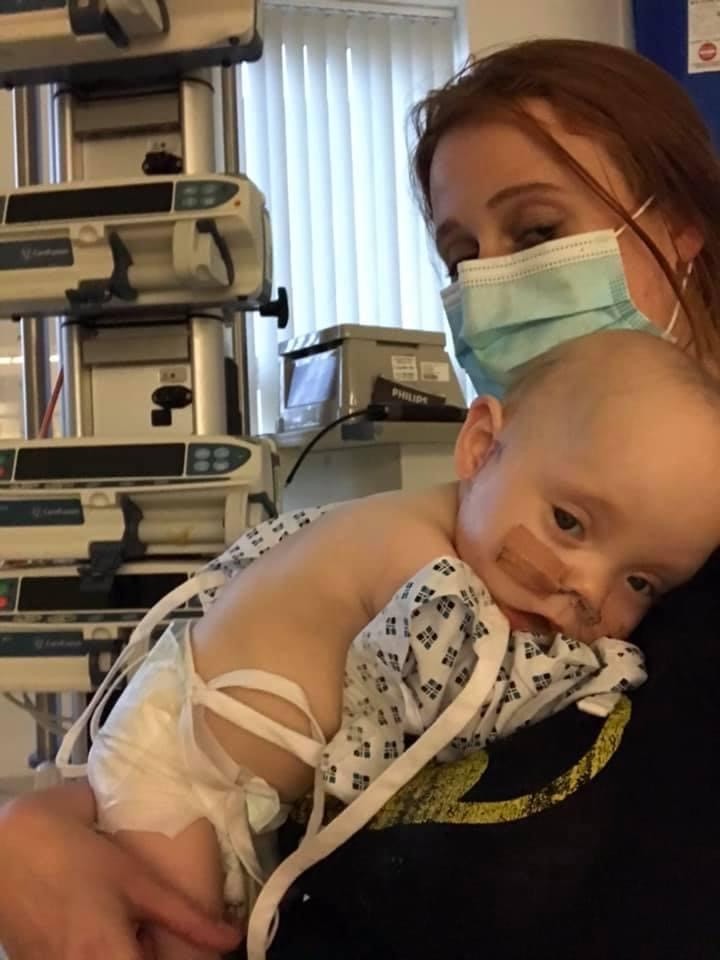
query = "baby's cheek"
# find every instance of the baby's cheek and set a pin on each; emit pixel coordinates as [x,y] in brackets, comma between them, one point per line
[621,615]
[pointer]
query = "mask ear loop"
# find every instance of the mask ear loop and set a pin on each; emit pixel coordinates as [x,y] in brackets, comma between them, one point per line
[636,216]
[667,333]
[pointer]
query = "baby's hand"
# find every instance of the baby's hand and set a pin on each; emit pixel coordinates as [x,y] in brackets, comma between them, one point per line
[191,862]
[158,944]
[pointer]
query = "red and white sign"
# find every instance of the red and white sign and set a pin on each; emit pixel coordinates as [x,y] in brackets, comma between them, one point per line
[703,35]
[707,51]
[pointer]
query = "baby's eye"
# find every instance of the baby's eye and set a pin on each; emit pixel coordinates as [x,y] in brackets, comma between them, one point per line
[568,523]
[642,585]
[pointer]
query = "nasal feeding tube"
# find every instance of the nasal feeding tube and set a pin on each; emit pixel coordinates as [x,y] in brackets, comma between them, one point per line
[534,566]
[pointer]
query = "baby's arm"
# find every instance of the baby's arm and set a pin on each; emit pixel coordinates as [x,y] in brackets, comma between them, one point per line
[292,613]
[295,612]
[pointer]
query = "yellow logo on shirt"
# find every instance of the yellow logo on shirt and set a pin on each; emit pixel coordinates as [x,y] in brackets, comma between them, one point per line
[436,794]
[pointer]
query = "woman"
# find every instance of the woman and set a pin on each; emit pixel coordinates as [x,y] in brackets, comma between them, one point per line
[578,836]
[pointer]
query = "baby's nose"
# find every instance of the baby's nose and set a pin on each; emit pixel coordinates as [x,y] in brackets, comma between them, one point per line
[586,595]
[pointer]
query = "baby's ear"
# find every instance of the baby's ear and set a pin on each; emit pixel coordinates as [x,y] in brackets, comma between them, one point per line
[478,436]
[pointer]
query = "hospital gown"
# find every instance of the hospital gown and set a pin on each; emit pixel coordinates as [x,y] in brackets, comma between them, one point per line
[417,654]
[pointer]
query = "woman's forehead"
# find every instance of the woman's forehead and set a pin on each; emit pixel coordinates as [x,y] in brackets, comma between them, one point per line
[474,162]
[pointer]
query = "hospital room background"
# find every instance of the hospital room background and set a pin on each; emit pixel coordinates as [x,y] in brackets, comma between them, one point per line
[331,93]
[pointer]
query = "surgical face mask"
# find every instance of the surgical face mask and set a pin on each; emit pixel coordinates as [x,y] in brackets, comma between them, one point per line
[503,311]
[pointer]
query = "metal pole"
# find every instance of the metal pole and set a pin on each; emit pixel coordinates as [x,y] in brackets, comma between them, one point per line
[231,125]
[33,332]
[231,141]
[34,339]
[36,374]
[76,418]
[240,353]
[197,119]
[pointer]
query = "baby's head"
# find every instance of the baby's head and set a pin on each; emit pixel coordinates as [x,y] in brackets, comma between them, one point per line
[592,489]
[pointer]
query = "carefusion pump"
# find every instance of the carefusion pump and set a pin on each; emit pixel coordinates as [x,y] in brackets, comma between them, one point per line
[132,227]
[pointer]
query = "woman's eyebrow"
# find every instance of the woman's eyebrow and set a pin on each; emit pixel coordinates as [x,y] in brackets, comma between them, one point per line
[451,225]
[509,193]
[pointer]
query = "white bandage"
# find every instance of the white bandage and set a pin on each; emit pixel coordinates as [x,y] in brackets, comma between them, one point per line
[155,766]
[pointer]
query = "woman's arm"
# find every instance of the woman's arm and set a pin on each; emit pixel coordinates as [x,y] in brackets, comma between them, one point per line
[190,861]
[68,892]
[74,800]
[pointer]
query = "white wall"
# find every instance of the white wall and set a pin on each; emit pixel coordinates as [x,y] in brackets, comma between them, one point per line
[493,23]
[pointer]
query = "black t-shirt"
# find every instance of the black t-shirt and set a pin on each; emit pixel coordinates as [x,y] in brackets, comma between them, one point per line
[577,838]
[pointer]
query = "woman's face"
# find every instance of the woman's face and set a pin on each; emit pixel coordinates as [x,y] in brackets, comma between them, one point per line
[495,190]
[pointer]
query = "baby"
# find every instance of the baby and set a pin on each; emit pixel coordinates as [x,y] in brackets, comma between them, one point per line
[455,615]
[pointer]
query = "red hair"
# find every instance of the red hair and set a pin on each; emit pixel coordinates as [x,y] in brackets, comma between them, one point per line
[643,118]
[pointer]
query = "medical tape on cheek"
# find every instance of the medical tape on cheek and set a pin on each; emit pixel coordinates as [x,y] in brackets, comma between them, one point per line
[532,565]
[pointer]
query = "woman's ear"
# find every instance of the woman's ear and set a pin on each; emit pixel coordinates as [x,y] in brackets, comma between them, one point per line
[688,241]
[478,436]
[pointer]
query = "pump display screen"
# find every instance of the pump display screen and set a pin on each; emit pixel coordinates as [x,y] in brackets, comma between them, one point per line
[28,6]
[49,205]
[103,462]
[127,592]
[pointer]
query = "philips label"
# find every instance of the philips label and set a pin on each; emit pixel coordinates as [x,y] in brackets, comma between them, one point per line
[41,513]
[36,254]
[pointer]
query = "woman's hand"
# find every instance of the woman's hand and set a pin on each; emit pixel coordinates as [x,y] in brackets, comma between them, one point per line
[67,893]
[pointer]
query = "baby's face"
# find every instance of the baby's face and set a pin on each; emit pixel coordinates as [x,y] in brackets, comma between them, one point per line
[579,523]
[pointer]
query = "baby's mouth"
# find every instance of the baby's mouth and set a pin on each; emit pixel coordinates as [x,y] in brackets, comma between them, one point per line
[529,622]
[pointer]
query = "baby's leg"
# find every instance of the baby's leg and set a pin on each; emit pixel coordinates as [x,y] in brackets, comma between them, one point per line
[157,771]
[191,863]
[154,787]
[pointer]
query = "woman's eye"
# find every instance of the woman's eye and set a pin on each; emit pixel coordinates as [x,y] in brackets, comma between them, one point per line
[568,523]
[642,585]
[537,235]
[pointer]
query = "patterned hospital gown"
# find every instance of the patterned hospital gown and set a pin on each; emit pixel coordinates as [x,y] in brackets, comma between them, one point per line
[418,653]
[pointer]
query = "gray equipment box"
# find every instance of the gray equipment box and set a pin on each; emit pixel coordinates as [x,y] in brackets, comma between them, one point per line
[330,373]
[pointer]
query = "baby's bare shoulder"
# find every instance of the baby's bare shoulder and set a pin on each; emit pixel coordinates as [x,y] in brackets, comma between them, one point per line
[342,569]
[394,535]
